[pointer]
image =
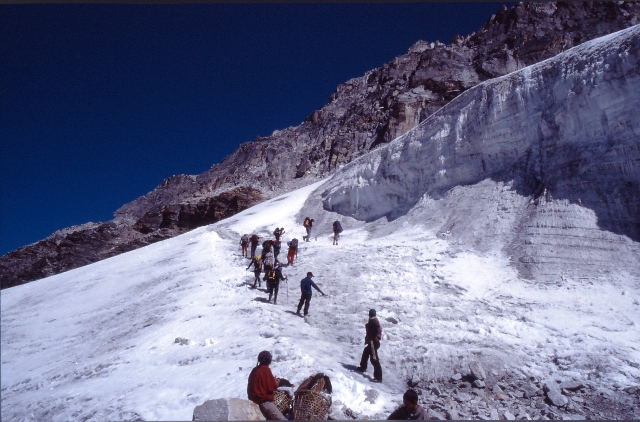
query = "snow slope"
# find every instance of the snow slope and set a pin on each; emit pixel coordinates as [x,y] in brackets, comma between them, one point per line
[99,342]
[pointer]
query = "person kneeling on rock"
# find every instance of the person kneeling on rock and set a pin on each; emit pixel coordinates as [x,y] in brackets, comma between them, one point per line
[410,410]
[261,386]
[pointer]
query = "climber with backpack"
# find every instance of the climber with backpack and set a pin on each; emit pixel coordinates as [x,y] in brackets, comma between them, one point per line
[293,250]
[337,229]
[244,243]
[276,248]
[267,261]
[308,225]
[266,247]
[255,240]
[257,269]
[278,232]
[274,278]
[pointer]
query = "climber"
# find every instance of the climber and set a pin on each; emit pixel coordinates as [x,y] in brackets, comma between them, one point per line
[308,225]
[278,232]
[255,240]
[337,229]
[244,243]
[275,282]
[267,260]
[305,287]
[372,344]
[410,410]
[293,250]
[261,386]
[257,269]
[276,248]
[267,246]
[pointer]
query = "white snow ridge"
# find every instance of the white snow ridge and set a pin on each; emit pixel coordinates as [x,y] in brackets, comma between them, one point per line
[465,234]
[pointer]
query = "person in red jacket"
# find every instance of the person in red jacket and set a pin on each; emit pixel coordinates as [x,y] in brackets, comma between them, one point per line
[261,387]
[372,341]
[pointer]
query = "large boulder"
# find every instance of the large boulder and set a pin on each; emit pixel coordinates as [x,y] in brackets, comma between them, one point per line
[229,409]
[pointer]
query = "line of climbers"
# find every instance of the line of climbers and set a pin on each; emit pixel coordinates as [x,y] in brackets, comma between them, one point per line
[262,385]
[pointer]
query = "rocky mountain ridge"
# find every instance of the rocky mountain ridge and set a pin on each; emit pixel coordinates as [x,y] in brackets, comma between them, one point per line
[361,115]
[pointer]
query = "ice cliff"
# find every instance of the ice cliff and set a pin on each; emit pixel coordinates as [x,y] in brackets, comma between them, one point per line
[564,134]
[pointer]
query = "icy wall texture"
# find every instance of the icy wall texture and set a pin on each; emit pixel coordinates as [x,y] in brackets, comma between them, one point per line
[564,131]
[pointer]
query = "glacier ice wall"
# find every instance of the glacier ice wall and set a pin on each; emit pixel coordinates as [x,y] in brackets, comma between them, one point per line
[566,128]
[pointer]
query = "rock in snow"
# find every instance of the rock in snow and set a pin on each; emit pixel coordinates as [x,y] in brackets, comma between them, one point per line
[229,409]
[477,371]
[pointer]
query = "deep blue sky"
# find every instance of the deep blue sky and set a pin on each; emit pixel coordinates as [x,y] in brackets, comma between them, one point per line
[100,102]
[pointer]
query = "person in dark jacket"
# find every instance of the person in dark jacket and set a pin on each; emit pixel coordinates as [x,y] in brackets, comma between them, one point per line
[372,344]
[255,241]
[275,284]
[261,386]
[410,410]
[305,286]
[257,269]
[278,232]
[337,229]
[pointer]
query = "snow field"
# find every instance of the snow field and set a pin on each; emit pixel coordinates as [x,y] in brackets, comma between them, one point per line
[99,342]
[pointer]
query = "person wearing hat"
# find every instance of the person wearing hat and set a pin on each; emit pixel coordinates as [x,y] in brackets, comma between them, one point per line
[261,386]
[305,286]
[372,344]
[410,409]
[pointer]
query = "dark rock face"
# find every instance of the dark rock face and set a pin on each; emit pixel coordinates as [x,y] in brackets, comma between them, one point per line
[362,114]
[78,246]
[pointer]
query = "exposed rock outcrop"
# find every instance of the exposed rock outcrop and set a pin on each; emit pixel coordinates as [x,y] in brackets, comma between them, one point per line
[361,115]
[77,246]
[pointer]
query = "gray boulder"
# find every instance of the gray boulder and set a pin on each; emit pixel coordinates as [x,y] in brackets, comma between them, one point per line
[434,415]
[477,371]
[509,416]
[571,385]
[554,395]
[228,409]
[478,384]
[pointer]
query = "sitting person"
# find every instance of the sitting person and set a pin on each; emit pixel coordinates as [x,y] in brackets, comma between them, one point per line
[410,410]
[261,387]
